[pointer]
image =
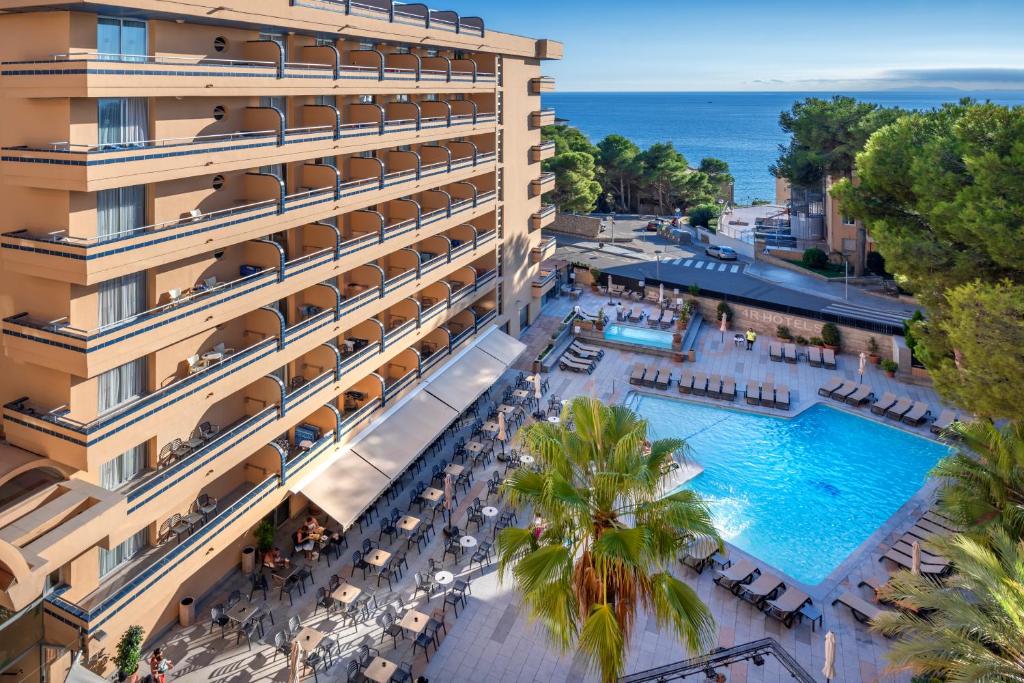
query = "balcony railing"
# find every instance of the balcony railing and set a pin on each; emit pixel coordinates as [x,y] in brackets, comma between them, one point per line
[401,383]
[402,13]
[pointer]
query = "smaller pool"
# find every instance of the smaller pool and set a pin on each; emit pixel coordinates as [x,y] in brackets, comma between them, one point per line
[641,336]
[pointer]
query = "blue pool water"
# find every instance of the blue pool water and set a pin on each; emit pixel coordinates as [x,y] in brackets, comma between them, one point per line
[801,493]
[640,336]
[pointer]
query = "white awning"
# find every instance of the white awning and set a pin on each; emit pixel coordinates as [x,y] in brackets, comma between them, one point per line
[398,438]
[472,374]
[346,488]
[504,347]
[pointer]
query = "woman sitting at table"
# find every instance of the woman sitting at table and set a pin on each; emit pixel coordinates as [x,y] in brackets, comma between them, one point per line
[312,528]
[274,559]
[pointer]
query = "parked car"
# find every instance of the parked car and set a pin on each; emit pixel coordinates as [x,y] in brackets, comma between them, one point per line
[655,225]
[720,252]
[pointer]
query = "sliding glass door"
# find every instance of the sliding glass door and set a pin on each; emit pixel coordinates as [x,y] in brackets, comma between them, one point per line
[121,39]
[120,554]
[122,298]
[121,385]
[120,211]
[124,468]
[123,121]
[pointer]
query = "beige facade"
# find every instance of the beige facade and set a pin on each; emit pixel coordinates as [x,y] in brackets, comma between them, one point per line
[230,241]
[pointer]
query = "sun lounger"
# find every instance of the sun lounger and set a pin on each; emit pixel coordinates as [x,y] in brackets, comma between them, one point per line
[782,398]
[715,386]
[775,352]
[583,353]
[861,395]
[899,409]
[569,363]
[736,574]
[789,351]
[903,559]
[728,389]
[637,376]
[667,318]
[699,553]
[765,587]
[943,422]
[635,319]
[768,395]
[753,392]
[700,384]
[883,404]
[916,416]
[587,347]
[905,545]
[650,376]
[828,387]
[862,610]
[664,379]
[842,392]
[941,520]
[828,358]
[786,607]
[926,526]
[814,356]
[686,382]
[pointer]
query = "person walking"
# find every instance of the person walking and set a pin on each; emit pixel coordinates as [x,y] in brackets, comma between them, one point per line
[751,338]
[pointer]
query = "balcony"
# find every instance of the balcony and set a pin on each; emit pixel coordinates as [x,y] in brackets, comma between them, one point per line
[545,250]
[543,218]
[415,14]
[88,168]
[84,444]
[544,117]
[539,153]
[549,49]
[86,74]
[543,283]
[542,85]
[91,260]
[542,184]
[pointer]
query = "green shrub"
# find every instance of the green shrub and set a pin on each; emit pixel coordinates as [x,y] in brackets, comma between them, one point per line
[702,214]
[264,533]
[889,365]
[129,650]
[874,263]
[815,258]
[723,308]
[802,341]
[830,335]
[872,346]
[782,332]
[694,290]
[817,341]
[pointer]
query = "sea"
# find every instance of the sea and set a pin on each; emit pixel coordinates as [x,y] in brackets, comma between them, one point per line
[740,127]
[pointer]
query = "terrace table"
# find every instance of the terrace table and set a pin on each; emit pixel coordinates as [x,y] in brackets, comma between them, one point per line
[377,557]
[346,594]
[240,614]
[489,511]
[467,542]
[308,639]
[444,578]
[521,394]
[408,523]
[454,470]
[526,459]
[507,410]
[414,621]
[474,447]
[432,494]
[490,426]
[380,670]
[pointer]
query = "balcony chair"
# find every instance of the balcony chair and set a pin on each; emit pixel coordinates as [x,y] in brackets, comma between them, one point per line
[208,430]
[223,349]
[194,364]
[178,526]
[173,295]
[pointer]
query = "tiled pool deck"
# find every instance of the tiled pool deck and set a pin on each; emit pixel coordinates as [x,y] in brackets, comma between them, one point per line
[493,640]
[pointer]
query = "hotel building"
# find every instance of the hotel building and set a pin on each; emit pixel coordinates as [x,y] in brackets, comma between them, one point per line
[240,242]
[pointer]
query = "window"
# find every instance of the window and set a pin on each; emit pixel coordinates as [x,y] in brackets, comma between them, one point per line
[324,100]
[124,468]
[122,121]
[120,211]
[325,40]
[121,39]
[433,52]
[115,557]
[121,384]
[366,44]
[402,50]
[847,220]
[218,113]
[401,98]
[121,298]
[430,97]
[366,99]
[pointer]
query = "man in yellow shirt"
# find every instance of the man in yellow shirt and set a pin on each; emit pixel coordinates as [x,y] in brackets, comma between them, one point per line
[751,338]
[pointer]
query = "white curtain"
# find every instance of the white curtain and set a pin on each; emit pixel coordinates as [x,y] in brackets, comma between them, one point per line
[120,210]
[117,472]
[123,120]
[121,384]
[115,557]
[122,298]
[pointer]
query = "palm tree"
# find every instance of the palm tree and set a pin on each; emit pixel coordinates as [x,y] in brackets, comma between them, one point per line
[984,481]
[607,538]
[974,619]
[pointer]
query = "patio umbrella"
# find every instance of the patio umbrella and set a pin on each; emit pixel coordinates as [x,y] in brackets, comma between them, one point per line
[293,663]
[915,558]
[502,434]
[863,364]
[449,494]
[829,670]
[536,388]
[723,327]
[661,294]
[610,302]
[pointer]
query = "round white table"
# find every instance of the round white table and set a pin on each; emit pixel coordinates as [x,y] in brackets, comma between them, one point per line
[467,542]
[526,459]
[490,511]
[305,444]
[554,419]
[444,578]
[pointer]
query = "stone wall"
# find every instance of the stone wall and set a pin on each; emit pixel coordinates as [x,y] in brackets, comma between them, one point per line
[581,226]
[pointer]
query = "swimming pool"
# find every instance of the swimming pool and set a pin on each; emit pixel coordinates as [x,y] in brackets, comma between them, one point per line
[640,336]
[801,493]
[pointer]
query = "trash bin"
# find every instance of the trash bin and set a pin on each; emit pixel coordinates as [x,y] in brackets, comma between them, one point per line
[187,611]
[248,559]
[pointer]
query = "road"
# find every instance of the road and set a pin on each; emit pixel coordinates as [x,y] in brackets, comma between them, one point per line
[655,259]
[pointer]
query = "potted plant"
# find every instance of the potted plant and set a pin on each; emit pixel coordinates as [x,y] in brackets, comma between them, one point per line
[817,341]
[264,533]
[830,336]
[600,319]
[802,341]
[694,290]
[873,351]
[782,332]
[724,309]
[890,367]
[595,279]
[129,651]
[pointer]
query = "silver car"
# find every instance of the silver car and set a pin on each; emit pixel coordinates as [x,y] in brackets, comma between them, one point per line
[722,253]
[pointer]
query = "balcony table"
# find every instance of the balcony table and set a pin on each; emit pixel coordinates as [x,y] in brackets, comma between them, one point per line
[309,638]
[433,495]
[194,443]
[212,357]
[377,557]
[380,670]
[346,593]
[454,470]
[193,519]
[414,621]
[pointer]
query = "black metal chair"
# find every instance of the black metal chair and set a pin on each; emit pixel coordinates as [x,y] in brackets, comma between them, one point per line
[355,673]
[282,644]
[250,631]
[359,563]
[218,617]
[258,583]
[387,528]
[367,654]
[481,555]
[324,600]
[391,629]
[403,674]
[425,639]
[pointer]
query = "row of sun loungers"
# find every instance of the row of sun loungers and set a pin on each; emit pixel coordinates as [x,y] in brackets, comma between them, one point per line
[902,409]
[764,590]
[931,525]
[848,391]
[768,395]
[651,376]
[580,357]
[817,357]
[664,321]
[715,386]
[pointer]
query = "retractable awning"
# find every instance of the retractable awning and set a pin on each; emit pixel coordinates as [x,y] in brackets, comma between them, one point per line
[505,348]
[346,488]
[401,436]
[465,380]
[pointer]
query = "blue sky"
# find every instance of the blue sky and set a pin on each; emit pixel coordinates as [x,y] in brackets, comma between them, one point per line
[672,45]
